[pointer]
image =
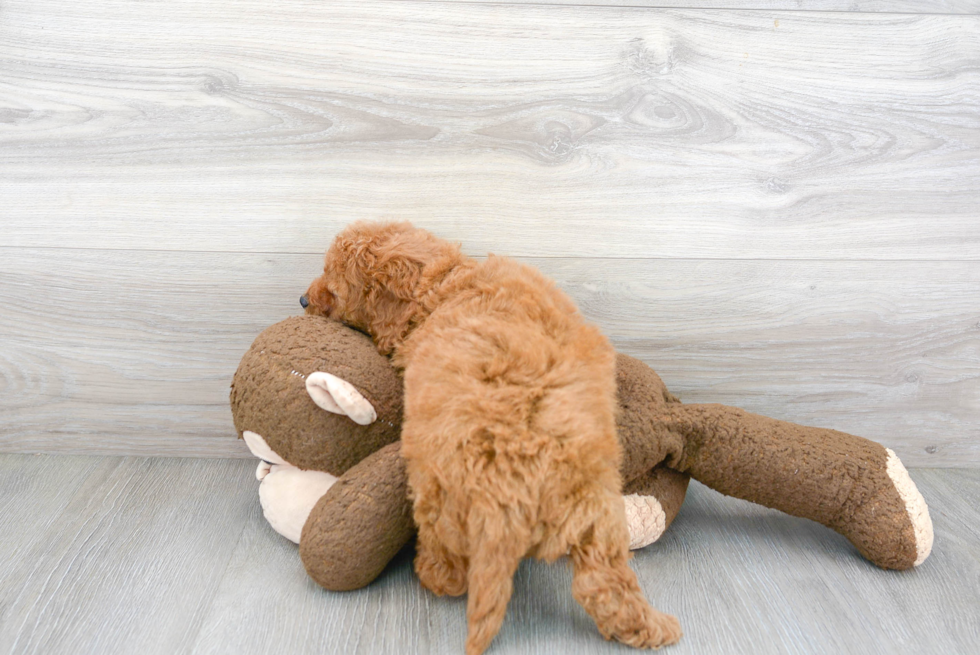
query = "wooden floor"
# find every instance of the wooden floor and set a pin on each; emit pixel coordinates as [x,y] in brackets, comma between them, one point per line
[152,555]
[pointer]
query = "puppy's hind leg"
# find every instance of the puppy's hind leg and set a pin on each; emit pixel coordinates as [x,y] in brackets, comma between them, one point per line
[606,587]
[441,572]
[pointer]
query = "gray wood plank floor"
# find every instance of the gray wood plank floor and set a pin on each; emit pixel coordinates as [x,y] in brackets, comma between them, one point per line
[131,555]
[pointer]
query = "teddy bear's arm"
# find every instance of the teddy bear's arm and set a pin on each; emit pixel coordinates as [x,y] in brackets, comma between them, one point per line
[287,494]
[360,524]
[855,486]
[365,518]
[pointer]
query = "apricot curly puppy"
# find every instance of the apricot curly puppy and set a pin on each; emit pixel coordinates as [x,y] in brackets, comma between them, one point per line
[509,431]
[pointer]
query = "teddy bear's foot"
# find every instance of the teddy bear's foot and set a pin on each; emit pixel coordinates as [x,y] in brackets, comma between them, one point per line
[646,519]
[891,525]
[652,501]
[854,486]
[915,506]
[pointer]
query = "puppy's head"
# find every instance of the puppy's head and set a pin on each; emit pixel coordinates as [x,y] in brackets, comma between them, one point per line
[373,274]
[318,299]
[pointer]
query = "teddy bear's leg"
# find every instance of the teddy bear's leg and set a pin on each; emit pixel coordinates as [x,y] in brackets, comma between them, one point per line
[852,485]
[652,503]
[360,524]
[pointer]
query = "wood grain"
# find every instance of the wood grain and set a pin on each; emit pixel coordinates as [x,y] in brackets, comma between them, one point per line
[890,6]
[775,209]
[532,130]
[121,352]
[35,491]
[791,586]
[131,563]
[173,556]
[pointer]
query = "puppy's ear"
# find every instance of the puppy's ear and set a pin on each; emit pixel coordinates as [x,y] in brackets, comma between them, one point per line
[400,277]
[399,262]
[403,257]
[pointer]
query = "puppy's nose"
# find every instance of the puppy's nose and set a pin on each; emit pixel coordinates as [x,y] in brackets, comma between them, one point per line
[304,301]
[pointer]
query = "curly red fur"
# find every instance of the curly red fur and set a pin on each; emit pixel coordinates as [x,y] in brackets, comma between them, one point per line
[509,431]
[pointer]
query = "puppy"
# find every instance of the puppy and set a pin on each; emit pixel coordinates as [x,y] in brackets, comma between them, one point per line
[509,433]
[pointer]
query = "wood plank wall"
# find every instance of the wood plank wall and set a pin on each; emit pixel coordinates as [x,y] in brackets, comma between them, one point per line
[776,208]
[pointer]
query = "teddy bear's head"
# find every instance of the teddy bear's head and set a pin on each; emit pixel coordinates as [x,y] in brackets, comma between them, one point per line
[317,395]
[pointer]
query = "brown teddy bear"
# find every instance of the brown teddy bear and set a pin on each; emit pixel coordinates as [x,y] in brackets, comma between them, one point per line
[322,409]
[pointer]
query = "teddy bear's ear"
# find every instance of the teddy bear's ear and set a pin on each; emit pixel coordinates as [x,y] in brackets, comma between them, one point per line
[340,397]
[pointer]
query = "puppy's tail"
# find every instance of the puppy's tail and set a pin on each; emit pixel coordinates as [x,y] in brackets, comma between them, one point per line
[496,549]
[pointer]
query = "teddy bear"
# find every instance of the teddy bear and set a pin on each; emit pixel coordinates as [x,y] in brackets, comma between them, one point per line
[321,409]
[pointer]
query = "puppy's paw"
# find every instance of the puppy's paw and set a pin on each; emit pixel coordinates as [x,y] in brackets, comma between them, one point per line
[443,576]
[655,630]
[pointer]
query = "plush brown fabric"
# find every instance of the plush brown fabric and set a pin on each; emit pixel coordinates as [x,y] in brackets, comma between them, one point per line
[360,523]
[643,398]
[835,478]
[645,468]
[668,486]
[831,477]
[269,397]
